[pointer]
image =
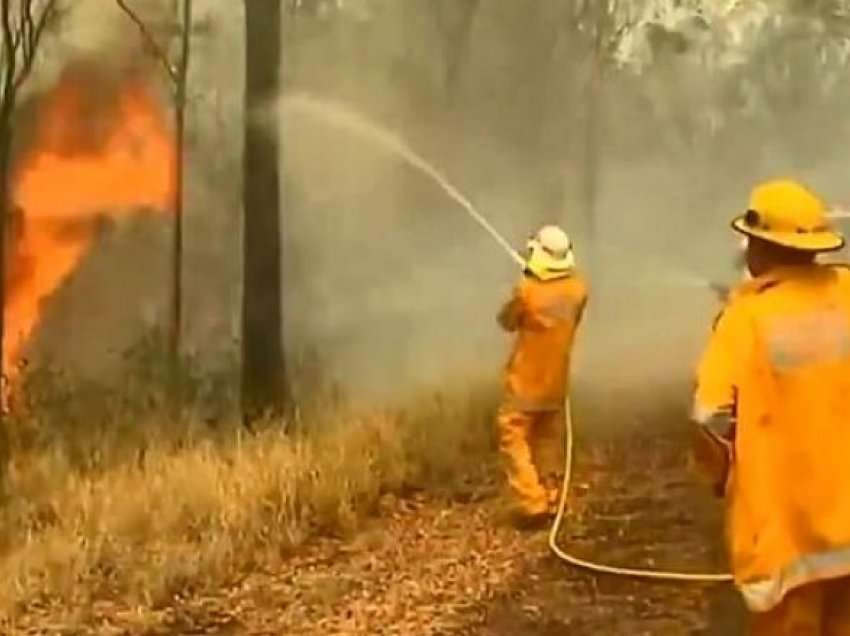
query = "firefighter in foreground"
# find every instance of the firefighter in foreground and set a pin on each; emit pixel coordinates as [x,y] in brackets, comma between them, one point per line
[544,312]
[772,406]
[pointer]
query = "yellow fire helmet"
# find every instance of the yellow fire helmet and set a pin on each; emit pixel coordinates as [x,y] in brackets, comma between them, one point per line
[550,254]
[786,213]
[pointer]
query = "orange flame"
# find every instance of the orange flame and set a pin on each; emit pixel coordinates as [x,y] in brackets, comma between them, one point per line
[98,151]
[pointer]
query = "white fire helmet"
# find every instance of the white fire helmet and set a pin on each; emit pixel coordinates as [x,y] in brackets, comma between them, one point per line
[550,253]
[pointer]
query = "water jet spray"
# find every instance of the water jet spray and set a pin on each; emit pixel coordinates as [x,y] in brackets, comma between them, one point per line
[344,117]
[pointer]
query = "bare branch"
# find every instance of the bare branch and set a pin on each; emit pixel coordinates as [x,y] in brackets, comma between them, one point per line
[27,25]
[17,33]
[32,29]
[156,49]
[9,48]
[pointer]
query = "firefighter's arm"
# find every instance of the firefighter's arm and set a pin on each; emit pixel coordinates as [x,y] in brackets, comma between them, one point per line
[714,411]
[510,316]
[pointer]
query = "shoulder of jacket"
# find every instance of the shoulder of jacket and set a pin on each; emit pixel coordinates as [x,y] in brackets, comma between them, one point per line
[754,287]
[581,283]
[743,299]
[574,286]
[733,309]
[741,296]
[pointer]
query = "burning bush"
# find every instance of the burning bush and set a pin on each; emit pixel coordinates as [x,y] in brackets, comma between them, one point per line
[100,147]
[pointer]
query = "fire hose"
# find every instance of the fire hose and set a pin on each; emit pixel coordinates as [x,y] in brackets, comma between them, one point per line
[600,568]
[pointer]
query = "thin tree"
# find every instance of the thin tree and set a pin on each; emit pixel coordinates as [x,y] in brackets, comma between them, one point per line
[264,380]
[22,24]
[178,73]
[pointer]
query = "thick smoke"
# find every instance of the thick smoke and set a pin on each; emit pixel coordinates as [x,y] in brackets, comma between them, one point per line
[397,288]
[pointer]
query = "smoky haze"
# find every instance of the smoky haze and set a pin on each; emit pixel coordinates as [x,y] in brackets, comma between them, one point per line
[397,287]
[388,280]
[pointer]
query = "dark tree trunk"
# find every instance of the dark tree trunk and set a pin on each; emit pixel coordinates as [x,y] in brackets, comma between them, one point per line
[5,219]
[264,381]
[179,177]
[177,255]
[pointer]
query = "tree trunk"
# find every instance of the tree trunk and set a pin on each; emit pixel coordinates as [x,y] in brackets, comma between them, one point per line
[179,176]
[5,218]
[5,252]
[264,381]
[177,253]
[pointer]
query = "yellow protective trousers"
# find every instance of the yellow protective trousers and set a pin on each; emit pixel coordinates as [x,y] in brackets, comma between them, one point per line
[531,444]
[816,609]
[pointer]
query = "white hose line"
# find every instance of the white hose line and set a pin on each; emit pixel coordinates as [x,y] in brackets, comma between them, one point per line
[598,567]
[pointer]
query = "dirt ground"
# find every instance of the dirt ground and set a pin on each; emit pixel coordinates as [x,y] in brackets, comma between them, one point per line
[451,564]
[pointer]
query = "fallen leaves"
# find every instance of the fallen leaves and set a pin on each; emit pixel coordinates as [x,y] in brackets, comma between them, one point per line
[436,566]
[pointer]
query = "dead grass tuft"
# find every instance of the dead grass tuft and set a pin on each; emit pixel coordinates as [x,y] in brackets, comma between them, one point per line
[147,510]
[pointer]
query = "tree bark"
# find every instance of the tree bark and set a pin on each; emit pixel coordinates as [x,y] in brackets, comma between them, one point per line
[5,251]
[6,219]
[179,176]
[264,380]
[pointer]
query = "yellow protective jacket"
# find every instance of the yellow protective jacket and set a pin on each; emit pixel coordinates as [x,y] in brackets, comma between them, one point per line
[775,380]
[545,315]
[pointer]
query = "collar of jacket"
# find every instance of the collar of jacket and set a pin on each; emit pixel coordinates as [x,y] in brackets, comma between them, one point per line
[777,275]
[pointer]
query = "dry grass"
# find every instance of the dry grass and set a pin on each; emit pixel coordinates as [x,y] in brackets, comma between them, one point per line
[144,511]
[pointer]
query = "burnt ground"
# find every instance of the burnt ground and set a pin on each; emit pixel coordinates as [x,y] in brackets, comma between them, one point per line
[451,564]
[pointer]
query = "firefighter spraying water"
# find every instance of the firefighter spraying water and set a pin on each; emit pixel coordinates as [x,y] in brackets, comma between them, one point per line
[556,296]
[544,313]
